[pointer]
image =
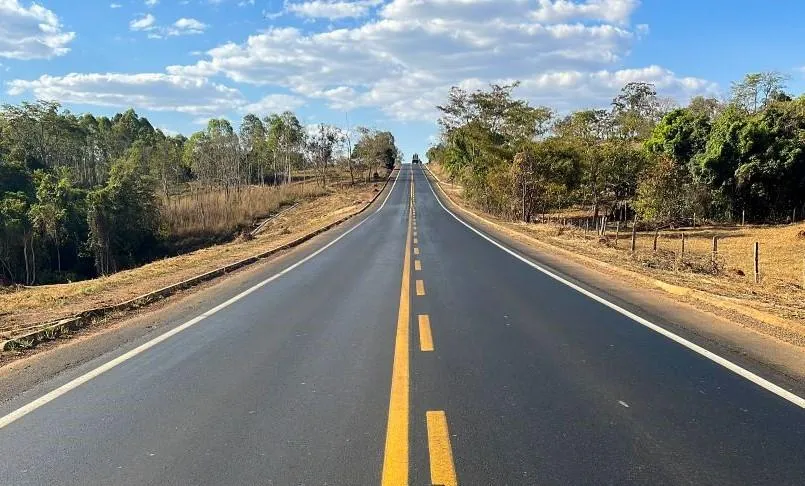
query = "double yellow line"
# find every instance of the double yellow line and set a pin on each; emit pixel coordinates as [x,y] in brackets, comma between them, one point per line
[395,460]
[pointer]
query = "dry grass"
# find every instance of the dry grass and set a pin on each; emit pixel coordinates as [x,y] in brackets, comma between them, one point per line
[781,290]
[223,213]
[20,307]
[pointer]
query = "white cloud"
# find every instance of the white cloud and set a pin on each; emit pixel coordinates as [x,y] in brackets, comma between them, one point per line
[151,3]
[31,33]
[274,103]
[185,26]
[617,11]
[568,54]
[332,9]
[115,5]
[574,89]
[145,22]
[404,61]
[153,91]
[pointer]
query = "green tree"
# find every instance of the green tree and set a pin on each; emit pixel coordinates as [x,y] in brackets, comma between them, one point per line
[755,90]
[286,137]
[680,135]
[123,218]
[636,110]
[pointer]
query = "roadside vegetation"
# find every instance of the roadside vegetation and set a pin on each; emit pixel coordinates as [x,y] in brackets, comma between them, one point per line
[83,196]
[723,161]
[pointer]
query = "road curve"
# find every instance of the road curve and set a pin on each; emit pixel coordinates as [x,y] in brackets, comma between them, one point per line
[408,349]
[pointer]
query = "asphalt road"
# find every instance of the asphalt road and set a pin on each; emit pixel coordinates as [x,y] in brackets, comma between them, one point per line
[318,376]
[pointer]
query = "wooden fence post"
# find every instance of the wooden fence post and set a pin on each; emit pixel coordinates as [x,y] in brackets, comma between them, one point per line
[634,233]
[586,225]
[682,252]
[617,232]
[656,235]
[694,220]
[743,217]
[715,248]
[603,225]
[757,262]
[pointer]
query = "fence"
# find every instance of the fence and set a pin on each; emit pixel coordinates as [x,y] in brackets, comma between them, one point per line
[752,252]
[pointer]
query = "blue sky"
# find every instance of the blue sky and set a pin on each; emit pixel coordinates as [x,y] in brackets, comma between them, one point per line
[386,63]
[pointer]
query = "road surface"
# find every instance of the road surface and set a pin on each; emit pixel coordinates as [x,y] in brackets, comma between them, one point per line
[406,349]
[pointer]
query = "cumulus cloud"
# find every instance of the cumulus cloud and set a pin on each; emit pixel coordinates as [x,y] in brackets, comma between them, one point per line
[617,11]
[404,59]
[332,9]
[183,26]
[144,22]
[32,32]
[153,91]
[572,89]
[274,103]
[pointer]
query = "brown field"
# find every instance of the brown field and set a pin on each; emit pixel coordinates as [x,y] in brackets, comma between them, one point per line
[222,212]
[21,307]
[780,291]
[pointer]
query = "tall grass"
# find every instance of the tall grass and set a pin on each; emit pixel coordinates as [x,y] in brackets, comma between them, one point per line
[219,214]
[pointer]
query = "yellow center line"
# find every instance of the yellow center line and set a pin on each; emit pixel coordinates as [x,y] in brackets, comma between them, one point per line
[417,265]
[425,336]
[395,459]
[442,469]
[420,287]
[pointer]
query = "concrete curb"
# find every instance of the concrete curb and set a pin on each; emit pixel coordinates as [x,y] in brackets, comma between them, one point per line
[52,330]
[721,302]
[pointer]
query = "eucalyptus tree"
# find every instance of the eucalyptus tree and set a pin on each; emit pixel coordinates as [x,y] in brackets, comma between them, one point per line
[254,145]
[286,135]
[321,147]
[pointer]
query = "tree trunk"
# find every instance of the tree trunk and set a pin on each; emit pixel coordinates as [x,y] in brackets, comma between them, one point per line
[25,257]
[58,251]
[33,263]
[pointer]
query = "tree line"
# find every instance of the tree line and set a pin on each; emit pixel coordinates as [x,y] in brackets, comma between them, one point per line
[720,160]
[85,195]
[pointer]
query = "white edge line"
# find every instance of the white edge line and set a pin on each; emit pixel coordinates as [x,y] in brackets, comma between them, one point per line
[75,383]
[758,380]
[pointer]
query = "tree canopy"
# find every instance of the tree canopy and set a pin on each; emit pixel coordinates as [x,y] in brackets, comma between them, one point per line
[715,159]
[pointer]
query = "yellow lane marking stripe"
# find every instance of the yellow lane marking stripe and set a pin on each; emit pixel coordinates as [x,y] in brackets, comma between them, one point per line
[395,459]
[442,469]
[420,287]
[425,336]
[417,265]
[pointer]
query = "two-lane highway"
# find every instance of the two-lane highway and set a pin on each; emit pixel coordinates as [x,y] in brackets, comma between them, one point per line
[408,349]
